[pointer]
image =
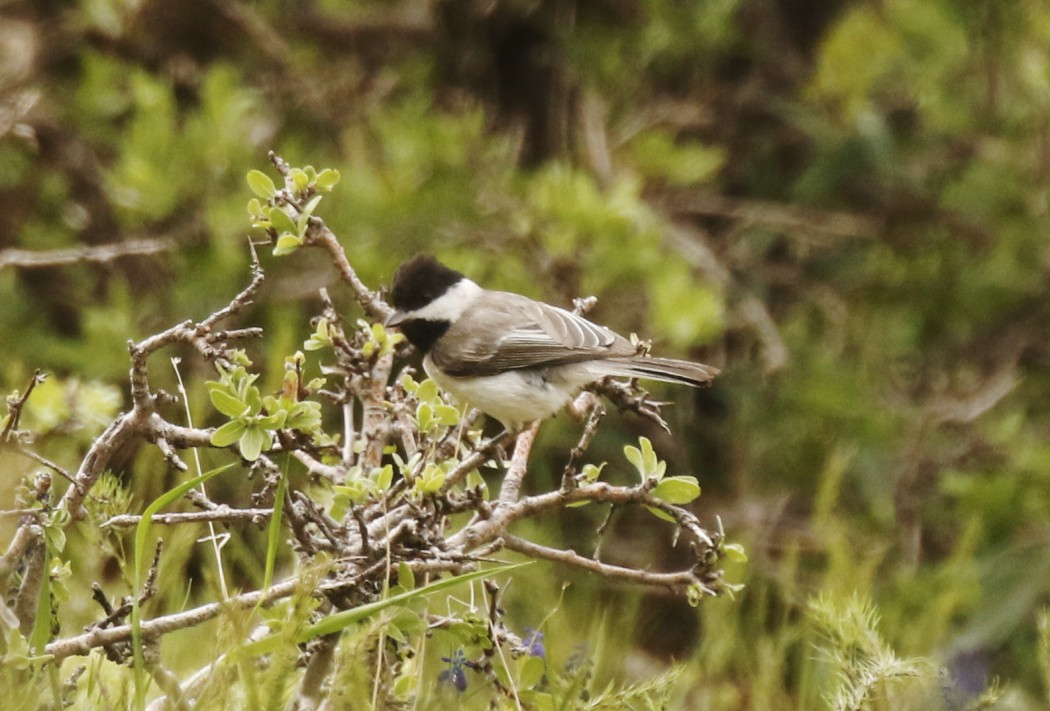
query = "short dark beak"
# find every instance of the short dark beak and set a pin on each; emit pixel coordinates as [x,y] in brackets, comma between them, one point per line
[395,319]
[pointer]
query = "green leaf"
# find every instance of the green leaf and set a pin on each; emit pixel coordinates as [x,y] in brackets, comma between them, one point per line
[591,472]
[735,552]
[447,415]
[405,577]
[228,433]
[645,459]
[384,478]
[227,404]
[649,460]
[255,210]
[427,391]
[299,178]
[273,422]
[327,179]
[286,244]
[282,223]
[273,530]
[254,440]
[261,184]
[424,416]
[532,671]
[634,456]
[307,213]
[677,489]
[409,383]
[661,514]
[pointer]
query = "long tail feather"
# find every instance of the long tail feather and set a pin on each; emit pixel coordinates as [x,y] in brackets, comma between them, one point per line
[665,369]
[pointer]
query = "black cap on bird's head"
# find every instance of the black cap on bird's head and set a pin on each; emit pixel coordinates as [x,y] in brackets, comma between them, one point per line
[419,281]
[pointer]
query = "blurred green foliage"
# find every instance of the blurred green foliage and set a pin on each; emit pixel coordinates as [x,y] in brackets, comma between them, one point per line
[867,184]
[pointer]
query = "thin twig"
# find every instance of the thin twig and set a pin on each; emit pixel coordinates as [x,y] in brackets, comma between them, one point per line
[15,407]
[221,514]
[676,581]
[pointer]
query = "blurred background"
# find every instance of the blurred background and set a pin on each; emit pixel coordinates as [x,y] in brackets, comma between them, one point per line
[841,203]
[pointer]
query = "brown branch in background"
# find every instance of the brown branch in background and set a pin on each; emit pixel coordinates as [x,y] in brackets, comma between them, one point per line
[31,259]
[692,244]
[802,222]
[56,468]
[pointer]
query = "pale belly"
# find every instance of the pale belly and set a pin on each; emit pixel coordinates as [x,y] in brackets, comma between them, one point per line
[515,397]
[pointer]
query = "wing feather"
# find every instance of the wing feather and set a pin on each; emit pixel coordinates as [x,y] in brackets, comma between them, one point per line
[511,331]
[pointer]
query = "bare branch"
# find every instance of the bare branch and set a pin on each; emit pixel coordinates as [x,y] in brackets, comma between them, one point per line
[675,581]
[805,223]
[221,514]
[15,406]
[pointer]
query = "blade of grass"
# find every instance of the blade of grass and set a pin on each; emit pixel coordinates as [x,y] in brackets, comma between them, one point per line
[273,531]
[141,534]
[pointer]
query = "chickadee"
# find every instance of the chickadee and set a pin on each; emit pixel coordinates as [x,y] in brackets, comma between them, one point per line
[513,358]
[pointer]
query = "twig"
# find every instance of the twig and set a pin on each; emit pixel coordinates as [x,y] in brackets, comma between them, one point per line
[479,456]
[56,468]
[676,581]
[15,406]
[628,397]
[221,514]
[568,476]
[151,629]
[483,530]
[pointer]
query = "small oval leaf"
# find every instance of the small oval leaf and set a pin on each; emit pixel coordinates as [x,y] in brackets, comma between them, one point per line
[252,443]
[661,514]
[677,489]
[281,222]
[327,179]
[286,244]
[227,404]
[261,184]
[228,433]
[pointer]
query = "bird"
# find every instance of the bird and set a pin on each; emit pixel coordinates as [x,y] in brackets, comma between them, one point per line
[515,359]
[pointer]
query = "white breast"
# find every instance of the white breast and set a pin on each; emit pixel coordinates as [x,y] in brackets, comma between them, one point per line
[516,397]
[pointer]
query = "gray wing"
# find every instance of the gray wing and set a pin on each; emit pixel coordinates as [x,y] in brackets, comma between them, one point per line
[509,331]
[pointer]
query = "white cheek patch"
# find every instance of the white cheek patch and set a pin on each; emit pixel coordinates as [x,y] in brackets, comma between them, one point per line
[450,305]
